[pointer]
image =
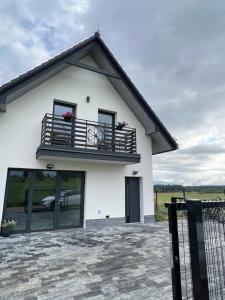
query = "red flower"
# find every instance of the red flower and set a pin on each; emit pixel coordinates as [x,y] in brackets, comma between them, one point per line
[68,115]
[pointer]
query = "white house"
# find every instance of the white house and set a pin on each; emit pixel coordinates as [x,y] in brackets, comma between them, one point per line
[87,167]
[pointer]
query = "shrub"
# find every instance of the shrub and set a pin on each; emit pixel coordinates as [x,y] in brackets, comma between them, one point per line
[8,224]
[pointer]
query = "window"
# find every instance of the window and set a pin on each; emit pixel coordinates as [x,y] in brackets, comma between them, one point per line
[60,108]
[106,118]
[107,130]
[63,131]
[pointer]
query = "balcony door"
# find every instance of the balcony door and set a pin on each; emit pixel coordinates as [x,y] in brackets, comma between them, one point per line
[107,130]
[63,130]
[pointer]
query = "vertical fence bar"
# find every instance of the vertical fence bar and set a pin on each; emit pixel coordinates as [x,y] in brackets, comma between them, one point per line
[197,250]
[156,200]
[175,256]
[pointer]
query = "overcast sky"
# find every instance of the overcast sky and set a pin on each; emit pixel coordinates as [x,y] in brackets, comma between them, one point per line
[174,51]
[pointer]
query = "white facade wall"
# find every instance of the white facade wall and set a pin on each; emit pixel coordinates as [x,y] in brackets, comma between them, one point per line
[20,130]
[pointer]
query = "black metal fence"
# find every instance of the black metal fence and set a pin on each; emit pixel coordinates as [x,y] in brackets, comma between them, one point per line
[197,231]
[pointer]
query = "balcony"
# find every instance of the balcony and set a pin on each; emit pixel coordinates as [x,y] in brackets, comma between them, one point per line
[79,139]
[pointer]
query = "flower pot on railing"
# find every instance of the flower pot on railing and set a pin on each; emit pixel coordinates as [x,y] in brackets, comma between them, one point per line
[7,227]
[121,125]
[68,116]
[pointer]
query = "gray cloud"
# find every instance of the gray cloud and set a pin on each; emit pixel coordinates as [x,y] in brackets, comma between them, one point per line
[208,149]
[173,51]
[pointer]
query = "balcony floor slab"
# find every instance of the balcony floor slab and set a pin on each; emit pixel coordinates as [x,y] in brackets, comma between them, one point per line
[79,154]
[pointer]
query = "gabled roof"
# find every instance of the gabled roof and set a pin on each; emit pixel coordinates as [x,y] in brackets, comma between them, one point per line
[161,139]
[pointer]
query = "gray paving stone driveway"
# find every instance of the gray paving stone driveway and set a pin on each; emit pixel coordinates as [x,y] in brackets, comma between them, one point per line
[126,262]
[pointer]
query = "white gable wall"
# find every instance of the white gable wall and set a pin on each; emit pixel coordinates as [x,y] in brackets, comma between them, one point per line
[20,130]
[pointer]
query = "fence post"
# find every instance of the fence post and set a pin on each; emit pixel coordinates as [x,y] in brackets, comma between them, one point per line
[175,257]
[156,200]
[197,250]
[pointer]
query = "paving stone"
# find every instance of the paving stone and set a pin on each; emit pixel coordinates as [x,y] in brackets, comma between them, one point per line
[124,262]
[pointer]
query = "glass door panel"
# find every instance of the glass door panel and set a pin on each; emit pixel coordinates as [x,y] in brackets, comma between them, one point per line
[70,199]
[106,128]
[63,129]
[106,118]
[43,204]
[17,198]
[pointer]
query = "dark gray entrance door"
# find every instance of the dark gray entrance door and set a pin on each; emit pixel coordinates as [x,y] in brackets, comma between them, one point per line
[132,199]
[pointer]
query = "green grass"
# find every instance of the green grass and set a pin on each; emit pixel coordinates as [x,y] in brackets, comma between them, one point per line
[161,212]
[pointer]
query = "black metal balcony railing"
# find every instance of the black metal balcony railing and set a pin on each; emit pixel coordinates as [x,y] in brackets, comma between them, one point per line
[84,134]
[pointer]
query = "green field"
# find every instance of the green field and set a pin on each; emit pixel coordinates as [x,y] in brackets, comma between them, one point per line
[161,212]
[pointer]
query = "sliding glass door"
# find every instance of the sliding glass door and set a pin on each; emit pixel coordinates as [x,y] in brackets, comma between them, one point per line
[70,200]
[17,197]
[44,199]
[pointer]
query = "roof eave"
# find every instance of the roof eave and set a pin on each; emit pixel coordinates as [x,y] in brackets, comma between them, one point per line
[165,151]
[3,107]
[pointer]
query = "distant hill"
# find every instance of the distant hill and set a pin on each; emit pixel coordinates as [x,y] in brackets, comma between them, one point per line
[170,188]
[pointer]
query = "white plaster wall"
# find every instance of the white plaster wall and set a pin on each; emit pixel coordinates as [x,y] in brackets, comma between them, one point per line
[20,130]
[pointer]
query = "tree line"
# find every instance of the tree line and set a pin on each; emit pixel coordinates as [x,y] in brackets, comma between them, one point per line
[172,188]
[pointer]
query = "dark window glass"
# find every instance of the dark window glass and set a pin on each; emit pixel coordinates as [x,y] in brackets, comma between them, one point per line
[61,109]
[43,205]
[63,131]
[70,199]
[17,197]
[106,118]
[106,130]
